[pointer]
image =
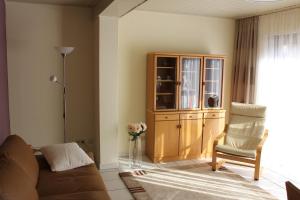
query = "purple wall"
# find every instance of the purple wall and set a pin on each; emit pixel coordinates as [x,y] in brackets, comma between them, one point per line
[4,113]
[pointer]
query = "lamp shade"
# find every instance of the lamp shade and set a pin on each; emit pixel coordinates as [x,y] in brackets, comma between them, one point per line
[65,50]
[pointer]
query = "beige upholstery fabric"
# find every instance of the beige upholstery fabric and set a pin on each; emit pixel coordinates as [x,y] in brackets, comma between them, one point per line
[235,151]
[250,110]
[245,130]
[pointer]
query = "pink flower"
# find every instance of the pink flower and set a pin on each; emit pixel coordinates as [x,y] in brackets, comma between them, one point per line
[137,127]
[131,127]
[134,128]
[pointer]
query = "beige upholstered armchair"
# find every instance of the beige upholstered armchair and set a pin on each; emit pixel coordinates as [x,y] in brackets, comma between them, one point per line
[243,137]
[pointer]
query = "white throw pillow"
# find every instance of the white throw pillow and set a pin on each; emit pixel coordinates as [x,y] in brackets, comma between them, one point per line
[66,156]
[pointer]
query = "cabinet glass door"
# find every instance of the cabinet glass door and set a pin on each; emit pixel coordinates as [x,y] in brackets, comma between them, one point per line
[190,83]
[166,79]
[213,82]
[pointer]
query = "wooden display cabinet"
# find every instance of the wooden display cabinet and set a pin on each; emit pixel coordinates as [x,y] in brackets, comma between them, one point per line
[184,105]
[213,82]
[190,140]
[213,125]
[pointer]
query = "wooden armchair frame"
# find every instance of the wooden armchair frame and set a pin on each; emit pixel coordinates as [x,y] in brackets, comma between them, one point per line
[255,162]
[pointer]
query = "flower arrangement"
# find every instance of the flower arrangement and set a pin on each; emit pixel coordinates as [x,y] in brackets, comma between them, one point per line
[136,129]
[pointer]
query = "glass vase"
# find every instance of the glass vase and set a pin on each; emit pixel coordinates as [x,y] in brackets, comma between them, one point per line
[135,152]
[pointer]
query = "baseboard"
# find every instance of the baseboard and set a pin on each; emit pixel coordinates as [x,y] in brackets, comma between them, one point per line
[127,154]
[113,165]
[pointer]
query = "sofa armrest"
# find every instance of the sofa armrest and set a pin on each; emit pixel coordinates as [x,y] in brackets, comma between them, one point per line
[292,191]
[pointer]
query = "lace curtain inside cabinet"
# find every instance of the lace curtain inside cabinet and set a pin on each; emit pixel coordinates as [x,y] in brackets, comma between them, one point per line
[190,83]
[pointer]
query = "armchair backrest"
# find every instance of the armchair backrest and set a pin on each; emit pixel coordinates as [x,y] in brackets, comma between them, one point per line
[246,126]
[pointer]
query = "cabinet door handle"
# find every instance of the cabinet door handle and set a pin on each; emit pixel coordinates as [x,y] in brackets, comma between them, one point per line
[190,116]
[178,126]
[166,117]
[178,82]
[214,115]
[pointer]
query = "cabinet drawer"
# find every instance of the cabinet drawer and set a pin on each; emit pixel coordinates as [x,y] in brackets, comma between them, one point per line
[191,116]
[214,115]
[166,117]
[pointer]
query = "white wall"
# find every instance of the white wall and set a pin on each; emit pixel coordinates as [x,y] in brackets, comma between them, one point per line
[141,32]
[35,103]
[108,87]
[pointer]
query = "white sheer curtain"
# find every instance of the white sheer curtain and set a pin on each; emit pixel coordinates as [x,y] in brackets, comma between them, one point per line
[190,83]
[278,87]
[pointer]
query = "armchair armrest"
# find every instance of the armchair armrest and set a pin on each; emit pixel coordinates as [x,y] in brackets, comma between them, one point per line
[260,145]
[218,138]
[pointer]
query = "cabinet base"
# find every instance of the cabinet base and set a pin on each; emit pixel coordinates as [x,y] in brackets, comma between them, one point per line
[177,158]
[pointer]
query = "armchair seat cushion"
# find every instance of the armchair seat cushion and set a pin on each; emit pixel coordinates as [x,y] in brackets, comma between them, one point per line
[235,151]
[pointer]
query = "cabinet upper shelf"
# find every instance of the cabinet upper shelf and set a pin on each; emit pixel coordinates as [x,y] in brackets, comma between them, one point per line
[166,67]
[165,80]
[184,82]
[165,93]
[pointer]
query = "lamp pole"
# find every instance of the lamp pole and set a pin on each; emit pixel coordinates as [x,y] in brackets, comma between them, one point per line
[64,96]
[64,51]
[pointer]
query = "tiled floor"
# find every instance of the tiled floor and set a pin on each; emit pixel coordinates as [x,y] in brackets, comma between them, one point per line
[270,181]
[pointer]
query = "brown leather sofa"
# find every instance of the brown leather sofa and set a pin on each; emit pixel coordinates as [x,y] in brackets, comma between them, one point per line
[293,193]
[24,176]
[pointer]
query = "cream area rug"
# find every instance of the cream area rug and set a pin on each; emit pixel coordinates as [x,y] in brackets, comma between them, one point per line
[191,182]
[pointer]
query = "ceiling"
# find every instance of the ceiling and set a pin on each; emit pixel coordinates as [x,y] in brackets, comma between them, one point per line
[121,7]
[63,2]
[218,8]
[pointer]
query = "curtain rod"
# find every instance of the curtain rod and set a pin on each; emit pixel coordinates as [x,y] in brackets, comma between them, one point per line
[274,11]
[281,10]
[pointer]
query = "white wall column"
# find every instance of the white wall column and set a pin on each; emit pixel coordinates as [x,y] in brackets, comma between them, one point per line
[108,86]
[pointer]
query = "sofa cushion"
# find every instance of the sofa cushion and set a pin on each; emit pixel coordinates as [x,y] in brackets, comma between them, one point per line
[14,182]
[90,195]
[77,180]
[65,156]
[16,148]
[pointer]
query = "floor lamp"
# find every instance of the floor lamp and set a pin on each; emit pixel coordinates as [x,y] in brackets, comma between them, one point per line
[64,51]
